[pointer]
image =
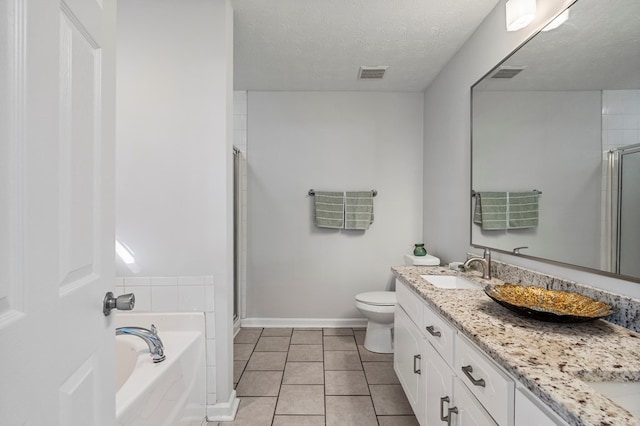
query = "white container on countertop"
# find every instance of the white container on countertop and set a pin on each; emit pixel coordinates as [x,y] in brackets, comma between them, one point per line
[426,260]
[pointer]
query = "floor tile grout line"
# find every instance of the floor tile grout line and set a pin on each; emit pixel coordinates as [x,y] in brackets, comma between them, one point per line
[324,370]
[324,382]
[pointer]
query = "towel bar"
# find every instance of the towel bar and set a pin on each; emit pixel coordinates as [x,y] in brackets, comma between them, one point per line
[474,193]
[312,192]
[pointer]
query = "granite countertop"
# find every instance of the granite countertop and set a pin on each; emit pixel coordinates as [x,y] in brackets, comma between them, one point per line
[550,359]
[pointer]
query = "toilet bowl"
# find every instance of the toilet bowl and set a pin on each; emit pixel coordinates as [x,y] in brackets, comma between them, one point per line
[378,307]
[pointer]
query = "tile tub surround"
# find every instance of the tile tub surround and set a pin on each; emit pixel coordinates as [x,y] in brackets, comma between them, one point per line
[186,293]
[548,358]
[627,309]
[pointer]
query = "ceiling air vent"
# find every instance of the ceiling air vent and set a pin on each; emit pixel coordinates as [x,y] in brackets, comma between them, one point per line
[507,72]
[371,73]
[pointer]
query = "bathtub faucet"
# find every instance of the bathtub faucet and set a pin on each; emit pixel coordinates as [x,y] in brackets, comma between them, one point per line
[151,338]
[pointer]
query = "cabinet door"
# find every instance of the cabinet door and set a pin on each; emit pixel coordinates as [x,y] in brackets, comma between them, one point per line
[530,411]
[407,361]
[470,411]
[438,384]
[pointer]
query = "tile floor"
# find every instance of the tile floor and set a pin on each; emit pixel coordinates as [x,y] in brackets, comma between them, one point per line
[308,377]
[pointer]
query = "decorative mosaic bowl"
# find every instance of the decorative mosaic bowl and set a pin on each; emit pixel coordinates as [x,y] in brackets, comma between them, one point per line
[547,305]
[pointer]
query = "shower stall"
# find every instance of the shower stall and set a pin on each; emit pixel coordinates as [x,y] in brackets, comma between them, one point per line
[239,203]
[624,200]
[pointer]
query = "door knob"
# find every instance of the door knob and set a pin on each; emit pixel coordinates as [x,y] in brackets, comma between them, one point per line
[124,302]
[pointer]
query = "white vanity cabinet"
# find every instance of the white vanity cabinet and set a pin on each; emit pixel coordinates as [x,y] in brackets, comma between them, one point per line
[429,368]
[448,399]
[423,360]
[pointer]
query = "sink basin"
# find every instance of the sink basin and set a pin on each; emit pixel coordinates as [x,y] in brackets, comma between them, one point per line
[625,394]
[451,282]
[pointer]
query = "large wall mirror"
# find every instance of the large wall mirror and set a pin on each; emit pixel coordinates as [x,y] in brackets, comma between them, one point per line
[561,115]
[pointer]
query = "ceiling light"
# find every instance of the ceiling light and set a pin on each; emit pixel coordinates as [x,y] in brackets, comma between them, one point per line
[520,13]
[560,19]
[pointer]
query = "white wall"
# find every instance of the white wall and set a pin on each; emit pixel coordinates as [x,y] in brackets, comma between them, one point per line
[447,135]
[531,140]
[328,141]
[165,126]
[174,182]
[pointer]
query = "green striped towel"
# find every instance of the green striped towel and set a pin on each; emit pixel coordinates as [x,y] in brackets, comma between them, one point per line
[358,210]
[506,210]
[522,209]
[329,209]
[491,210]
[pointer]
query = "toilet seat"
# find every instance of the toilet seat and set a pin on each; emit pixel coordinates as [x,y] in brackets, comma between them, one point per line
[378,298]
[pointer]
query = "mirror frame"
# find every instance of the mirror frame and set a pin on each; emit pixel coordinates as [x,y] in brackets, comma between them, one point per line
[471,212]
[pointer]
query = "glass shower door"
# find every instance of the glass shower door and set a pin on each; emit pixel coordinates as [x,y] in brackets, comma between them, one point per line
[629,212]
[236,233]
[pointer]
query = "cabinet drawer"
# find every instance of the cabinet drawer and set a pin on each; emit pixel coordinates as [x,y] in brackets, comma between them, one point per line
[470,412]
[439,332]
[493,387]
[410,302]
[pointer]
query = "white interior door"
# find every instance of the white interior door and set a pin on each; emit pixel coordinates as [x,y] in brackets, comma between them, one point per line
[56,211]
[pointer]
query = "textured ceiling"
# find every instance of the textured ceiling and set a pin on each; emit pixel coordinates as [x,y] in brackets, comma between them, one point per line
[320,44]
[597,48]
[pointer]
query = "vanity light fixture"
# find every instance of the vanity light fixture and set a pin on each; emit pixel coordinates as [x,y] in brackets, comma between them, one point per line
[520,13]
[560,19]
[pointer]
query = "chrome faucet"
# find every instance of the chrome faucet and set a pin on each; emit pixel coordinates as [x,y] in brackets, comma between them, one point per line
[485,261]
[151,338]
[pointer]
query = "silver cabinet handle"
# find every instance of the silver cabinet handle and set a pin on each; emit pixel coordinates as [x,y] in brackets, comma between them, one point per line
[442,401]
[467,370]
[450,410]
[432,331]
[415,358]
[124,302]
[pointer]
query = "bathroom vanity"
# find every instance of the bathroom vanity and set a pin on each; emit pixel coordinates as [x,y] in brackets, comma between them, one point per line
[462,359]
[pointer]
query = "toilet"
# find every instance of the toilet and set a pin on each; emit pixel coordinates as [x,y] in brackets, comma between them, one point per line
[378,307]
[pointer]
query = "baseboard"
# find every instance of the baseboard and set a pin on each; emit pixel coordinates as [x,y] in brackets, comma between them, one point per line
[223,411]
[304,322]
